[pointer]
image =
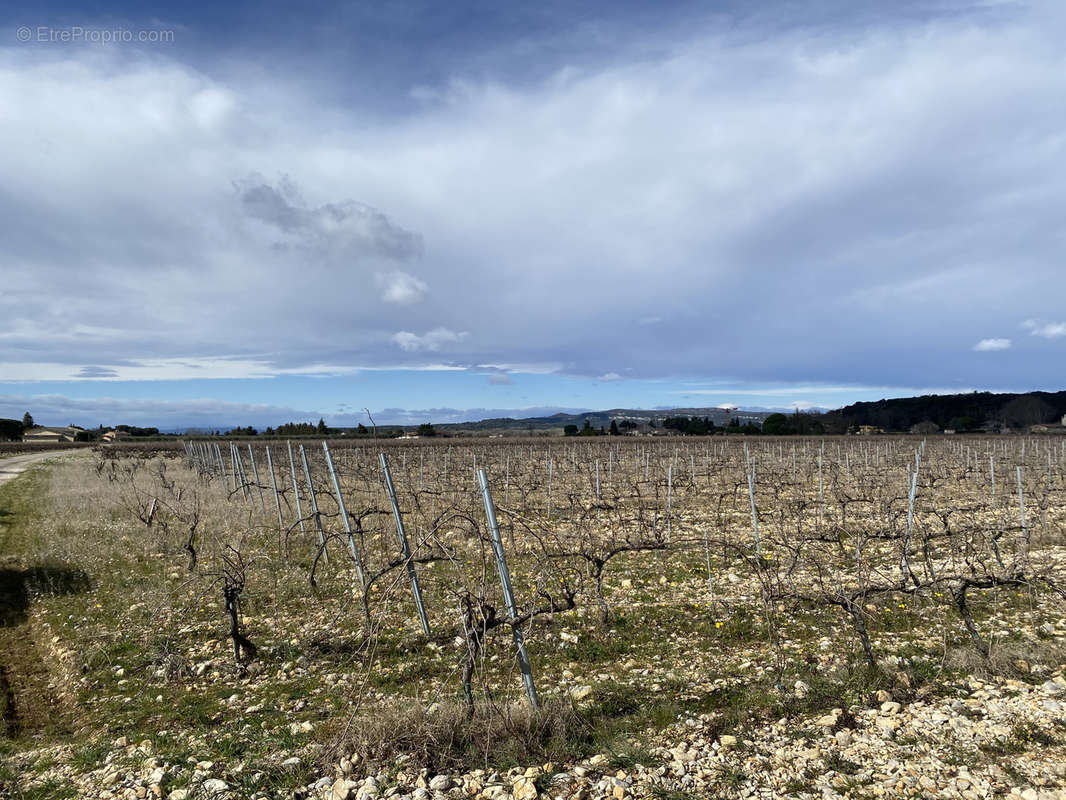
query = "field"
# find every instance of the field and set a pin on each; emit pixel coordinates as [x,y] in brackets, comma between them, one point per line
[720,617]
[20,448]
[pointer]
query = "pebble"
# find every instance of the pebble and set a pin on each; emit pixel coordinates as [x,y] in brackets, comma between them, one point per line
[440,783]
[214,786]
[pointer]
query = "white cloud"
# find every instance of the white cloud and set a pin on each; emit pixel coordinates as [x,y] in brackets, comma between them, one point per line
[1049,330]
[160,369]
[194,368]
[992,345]
[609,376]
[401,288]
[526,369]
[432,340]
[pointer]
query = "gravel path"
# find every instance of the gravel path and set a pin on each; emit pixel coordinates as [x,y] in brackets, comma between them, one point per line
[16,465]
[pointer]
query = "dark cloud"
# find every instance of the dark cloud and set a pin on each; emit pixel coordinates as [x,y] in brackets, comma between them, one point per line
[353,227]
[96,372]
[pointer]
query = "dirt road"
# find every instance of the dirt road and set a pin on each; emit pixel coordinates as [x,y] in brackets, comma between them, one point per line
[28,699]
[15,465]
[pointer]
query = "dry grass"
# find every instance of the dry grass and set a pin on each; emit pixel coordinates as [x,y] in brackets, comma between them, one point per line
[1007,660]
[445,737]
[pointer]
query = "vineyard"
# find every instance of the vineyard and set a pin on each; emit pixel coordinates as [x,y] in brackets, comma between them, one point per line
[598,618]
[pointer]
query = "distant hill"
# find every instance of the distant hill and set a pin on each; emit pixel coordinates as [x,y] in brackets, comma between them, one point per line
[602,419]
[958,411]
[974,412]
[971,412]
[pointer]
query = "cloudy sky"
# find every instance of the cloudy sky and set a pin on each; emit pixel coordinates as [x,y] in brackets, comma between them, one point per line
[216,214]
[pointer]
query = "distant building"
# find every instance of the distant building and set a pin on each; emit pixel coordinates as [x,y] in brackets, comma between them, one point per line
[869,430]
[41,434]
[1050,427]
[114,436]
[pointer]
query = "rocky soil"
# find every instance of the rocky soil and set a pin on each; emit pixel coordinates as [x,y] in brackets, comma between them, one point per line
[983,739]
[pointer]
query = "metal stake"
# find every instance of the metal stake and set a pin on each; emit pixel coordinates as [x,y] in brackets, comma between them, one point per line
[505,583]
[314,506]
[405,549]
[258,484]
[344,515]
[277,500]
[296,491]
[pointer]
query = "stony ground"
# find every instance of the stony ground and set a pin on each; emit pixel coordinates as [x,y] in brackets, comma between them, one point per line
[989,739]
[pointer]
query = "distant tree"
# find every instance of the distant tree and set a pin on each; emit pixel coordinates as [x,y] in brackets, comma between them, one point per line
[613,431]
[690,426]
[361,430]
[426,429]
[10,430]
[321,427]
[296,429]
[84,436]
[807,424]
[588,430]
[776,425]
[133,430]
[27,421]
[570,430]
[1026,410]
